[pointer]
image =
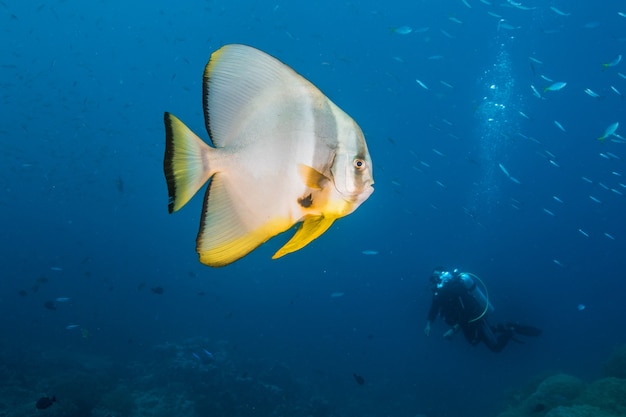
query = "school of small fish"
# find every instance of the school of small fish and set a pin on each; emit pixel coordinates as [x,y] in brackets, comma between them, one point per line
[547,88]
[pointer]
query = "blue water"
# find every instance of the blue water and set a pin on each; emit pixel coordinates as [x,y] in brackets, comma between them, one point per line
[83,88]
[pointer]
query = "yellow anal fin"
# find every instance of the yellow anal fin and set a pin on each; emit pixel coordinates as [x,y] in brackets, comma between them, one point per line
[185,163]
[310,229]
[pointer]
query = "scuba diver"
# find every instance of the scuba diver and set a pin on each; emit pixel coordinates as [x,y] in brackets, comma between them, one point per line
[464,306]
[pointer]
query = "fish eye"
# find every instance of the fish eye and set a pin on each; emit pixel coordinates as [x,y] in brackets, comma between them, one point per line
[359,163]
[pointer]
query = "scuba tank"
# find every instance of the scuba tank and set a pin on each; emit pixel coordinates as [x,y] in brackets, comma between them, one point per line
[475,291]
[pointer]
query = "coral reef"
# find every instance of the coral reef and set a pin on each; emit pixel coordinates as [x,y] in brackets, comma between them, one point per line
[563,395]
[616,364]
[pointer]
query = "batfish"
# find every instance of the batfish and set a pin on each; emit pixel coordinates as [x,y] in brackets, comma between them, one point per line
[281,153]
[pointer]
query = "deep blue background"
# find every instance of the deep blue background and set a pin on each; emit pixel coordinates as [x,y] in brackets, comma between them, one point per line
[83,87]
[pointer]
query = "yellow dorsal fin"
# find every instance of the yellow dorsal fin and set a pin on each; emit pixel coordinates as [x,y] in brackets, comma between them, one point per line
[310,229]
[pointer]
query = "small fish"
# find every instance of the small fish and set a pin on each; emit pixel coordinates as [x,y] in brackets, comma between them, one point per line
[591,93]
[616,91]
[613,63]
[519,5]
[535,60]
[72,326]
[548,212]
[582,232]
[446,84]
[157,290]
[553,163]
[557,199]
[402,30]
[336,294]
[594,199]
[581,307]
[609,131]
[559,12]
[609,236]
[45,402]
[559,85]
[535,91]
[447,34]
[62,299]
[195,355]
[359,379]
[504,170]
[421,84]
[284,154]
[557,262]
[560,126]
[503,24]
[209,354]
[369,252]
[515,180]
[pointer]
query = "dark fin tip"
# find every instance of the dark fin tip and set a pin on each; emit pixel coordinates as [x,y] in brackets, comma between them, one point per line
[205,207]
[167,162]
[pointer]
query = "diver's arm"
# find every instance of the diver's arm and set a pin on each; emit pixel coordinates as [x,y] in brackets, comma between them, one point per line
[432,314]
[453,330]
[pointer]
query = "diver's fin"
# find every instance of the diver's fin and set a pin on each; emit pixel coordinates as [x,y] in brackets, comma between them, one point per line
[523,329]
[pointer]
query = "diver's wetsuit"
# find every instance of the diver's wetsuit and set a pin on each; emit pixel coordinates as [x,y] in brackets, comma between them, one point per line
[456,306]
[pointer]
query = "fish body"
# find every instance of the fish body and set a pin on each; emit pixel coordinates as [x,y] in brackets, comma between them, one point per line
[559,12]
[421,84]
[358,379]
[535,91]
[591,93]
[45,402]
[609,131]
[283,154]
[504,170]
[402,30]
[559,85]
[559,125]
[613,63]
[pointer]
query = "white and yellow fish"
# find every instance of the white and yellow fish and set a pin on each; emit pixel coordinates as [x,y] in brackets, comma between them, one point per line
[283,154]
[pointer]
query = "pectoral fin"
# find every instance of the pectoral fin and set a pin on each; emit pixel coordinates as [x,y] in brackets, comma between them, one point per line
[312,177]
[310,229]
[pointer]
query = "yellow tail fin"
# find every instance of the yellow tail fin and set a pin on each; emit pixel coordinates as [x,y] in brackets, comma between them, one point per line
[186,162]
